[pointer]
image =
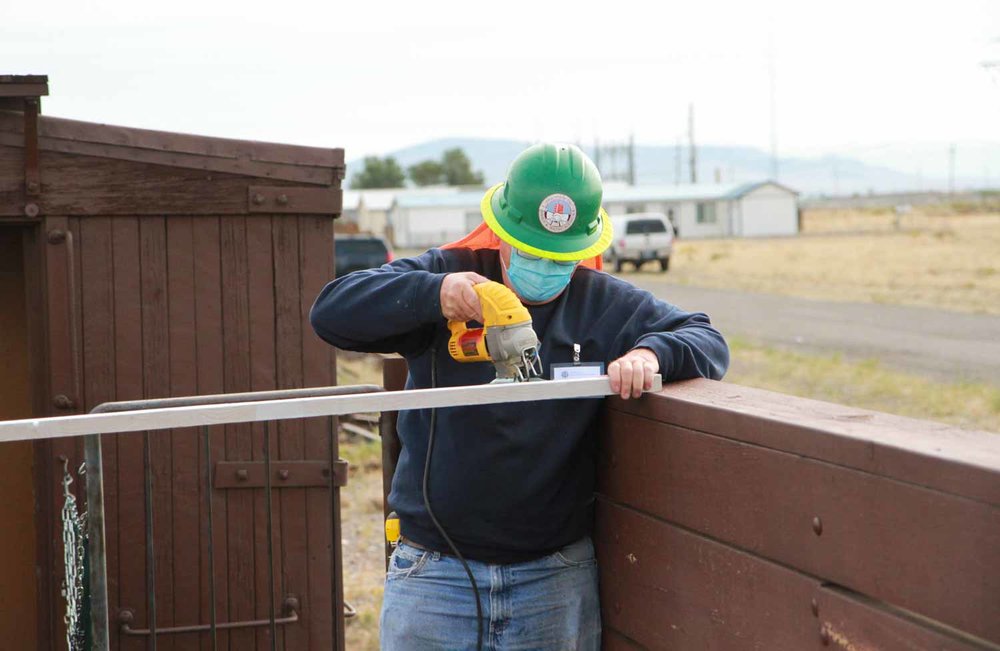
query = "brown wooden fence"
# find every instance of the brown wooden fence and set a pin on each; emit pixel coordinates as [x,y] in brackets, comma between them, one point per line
[736,518]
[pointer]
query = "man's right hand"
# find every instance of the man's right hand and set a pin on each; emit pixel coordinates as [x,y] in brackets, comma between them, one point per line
[459,302]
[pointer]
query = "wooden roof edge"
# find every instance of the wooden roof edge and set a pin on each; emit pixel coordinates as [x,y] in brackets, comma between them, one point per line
[24,85]
[927,453]
[76,131]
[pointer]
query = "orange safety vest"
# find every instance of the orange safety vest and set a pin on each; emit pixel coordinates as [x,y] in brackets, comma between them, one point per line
[484,238]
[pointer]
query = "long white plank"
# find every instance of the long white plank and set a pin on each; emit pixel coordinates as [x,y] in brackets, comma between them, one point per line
[245,412]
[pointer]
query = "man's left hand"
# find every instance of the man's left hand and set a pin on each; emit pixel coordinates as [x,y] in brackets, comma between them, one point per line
[633,372]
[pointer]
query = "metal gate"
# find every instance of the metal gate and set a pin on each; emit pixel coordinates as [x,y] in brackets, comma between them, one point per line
[262,477]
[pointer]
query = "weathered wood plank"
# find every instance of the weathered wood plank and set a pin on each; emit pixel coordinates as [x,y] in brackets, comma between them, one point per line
[325,588]
[97,287]
[156,383]
[90,185]
[130,560]
[919,452]
[210,356]
[239,443]
[188,478]
[667,588]
[166,141]
[44,486]
[933,553]
[260,281]
[288,328]
[850,621]
[262,160]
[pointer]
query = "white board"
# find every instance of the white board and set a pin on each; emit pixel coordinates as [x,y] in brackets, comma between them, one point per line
[173,417]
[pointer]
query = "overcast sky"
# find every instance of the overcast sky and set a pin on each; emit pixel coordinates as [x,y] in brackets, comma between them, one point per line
[376,76]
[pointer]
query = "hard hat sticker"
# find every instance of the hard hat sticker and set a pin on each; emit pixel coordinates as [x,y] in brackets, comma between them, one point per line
[557,213]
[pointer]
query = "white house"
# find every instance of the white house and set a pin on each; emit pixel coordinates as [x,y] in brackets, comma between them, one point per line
[369,208]
[427,220]
[758,209]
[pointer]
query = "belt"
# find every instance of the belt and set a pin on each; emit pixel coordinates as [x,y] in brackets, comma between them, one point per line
[423,548]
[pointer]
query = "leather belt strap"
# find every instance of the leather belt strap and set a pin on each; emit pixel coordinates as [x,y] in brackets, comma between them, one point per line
[423,548]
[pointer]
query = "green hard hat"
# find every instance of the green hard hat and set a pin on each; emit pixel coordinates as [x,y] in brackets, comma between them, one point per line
[550,204]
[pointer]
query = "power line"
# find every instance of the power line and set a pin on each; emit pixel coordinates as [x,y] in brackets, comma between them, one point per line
[773,108]
[678,165]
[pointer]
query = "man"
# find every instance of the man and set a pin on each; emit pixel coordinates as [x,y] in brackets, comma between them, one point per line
[511,485]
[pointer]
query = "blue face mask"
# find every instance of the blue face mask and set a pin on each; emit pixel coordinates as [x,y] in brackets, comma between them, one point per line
[538,279]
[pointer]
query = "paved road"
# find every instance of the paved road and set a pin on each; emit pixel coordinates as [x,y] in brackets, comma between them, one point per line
[947,345]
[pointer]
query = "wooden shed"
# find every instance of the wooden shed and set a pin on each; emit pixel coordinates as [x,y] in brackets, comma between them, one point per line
[140,264]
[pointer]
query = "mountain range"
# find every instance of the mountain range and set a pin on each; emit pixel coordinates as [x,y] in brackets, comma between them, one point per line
[887,168]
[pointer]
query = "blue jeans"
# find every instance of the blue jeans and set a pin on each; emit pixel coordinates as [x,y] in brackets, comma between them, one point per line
[549,604]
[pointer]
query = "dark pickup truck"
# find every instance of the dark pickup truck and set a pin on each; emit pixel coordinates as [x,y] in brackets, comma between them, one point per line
[354,252]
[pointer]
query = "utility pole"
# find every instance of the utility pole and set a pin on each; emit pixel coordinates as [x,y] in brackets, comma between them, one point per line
[951,169]
[694,155]
[631,159]
[597,153]
[774,118]
[678,165]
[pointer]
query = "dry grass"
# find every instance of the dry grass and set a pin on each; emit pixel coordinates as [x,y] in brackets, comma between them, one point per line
[362,536]
[361,515]
[866,384]
[943,260]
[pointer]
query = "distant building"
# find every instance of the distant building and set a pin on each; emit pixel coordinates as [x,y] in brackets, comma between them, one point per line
[369,209]
[426,220]
[760,209]
[757,209]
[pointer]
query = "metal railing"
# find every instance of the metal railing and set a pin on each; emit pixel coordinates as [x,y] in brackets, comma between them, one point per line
[100,617]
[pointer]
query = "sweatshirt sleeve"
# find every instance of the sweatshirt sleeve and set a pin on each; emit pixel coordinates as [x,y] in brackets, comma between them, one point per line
[391,309]
[686,343]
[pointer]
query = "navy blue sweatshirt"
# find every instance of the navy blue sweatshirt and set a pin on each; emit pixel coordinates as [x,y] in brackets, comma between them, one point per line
[508,482]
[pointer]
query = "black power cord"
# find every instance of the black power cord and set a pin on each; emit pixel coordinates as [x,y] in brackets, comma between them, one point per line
[430,512]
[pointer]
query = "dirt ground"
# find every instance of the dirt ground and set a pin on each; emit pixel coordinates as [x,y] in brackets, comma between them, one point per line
[361,514]
[364,564]
[951,261]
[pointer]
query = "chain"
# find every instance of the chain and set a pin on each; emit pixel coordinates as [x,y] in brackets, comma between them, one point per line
[74,535]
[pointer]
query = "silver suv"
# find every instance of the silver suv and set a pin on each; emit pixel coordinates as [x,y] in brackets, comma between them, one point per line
[639,238]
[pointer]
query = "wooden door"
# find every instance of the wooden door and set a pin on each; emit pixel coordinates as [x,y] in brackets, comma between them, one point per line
[18,612]
[152,307]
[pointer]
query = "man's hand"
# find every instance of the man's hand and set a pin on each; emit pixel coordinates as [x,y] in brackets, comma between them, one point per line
[459,302]
[633,372]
